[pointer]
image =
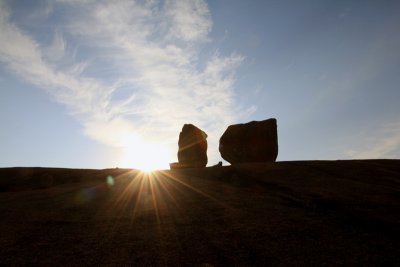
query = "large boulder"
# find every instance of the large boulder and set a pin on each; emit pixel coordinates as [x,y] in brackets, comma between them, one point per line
[255,141]
[192,144]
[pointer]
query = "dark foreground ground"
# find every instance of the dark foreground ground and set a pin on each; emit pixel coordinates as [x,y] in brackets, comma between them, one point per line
[304,213]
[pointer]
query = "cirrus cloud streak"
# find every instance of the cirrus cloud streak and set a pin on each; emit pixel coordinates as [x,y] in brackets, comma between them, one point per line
[127,68]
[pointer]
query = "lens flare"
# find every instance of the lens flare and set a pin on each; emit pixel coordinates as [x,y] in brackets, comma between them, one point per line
[110,181]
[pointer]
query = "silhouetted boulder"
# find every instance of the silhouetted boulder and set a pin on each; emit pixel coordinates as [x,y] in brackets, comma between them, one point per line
[192,151]
[255,141]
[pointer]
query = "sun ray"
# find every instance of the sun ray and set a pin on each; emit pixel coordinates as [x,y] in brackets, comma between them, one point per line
[152,193]
[166,190]
[154,198]
[194,189]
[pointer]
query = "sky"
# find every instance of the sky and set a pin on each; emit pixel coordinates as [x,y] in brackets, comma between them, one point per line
[104,84]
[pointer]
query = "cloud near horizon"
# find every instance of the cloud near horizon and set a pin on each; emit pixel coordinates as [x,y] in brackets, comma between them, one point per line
[126,68]
[383,142]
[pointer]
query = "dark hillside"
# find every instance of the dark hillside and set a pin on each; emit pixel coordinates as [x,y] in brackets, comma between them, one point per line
[307,213]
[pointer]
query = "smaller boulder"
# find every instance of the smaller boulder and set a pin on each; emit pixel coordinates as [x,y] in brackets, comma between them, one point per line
[192,151]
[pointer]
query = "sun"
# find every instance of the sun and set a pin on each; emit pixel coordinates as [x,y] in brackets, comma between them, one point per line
[145,155]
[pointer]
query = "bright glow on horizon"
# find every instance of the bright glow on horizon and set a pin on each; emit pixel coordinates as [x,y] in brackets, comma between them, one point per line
[145,155]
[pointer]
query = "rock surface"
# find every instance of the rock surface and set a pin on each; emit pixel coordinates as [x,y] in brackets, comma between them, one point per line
[192,144]
[255,141]
[303,213]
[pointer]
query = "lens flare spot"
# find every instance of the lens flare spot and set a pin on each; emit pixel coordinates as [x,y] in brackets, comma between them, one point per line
[110,181]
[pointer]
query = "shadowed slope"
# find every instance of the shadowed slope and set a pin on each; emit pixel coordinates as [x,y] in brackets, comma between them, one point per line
[284,213]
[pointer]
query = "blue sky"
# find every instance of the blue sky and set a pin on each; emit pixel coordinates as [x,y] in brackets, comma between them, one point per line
[97,84]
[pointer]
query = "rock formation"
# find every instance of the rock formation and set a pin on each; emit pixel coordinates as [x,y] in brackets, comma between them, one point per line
[192,151]
[255,141]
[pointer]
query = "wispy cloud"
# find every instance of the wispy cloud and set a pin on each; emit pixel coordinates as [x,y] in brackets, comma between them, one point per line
[127,68]
[383,143]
